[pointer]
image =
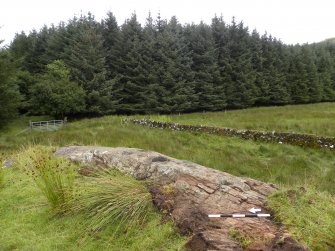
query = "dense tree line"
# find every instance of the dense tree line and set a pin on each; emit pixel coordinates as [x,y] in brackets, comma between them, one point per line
[9,93]
[90,67]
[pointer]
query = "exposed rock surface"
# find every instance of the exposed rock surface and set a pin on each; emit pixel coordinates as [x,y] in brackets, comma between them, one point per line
[188,192]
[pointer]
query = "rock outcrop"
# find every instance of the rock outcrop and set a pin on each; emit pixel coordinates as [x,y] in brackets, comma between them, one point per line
[188,192]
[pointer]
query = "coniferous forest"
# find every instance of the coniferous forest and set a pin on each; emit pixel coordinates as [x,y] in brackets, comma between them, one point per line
[87,67]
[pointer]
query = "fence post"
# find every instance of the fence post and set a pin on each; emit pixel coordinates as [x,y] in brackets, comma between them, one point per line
[30,125]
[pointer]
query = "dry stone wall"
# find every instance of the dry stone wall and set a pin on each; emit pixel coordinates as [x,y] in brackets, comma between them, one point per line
[303,140]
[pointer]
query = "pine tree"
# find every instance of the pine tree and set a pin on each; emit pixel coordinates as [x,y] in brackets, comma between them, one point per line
[129,83]
[222,58]
[325,67]
[87,61]
[154,91]
[36,60]
[57,42]
[111,35]
[259,59]
[9,94]
[166,67]
[161,61]
[207,82]
[298,77]
[314,86]
[274,68]
[241,91]
[178,77]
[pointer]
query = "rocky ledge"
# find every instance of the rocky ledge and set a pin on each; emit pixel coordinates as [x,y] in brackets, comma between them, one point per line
[188,192]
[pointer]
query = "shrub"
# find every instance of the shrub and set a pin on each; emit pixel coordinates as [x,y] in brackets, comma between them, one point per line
[53,176]
[110,198]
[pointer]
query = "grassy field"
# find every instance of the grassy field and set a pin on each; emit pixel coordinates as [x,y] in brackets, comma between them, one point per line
[280,164]
[287,166]
[316,119]
[27,223]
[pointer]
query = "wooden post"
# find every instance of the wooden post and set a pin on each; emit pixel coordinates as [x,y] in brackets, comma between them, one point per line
[30,125]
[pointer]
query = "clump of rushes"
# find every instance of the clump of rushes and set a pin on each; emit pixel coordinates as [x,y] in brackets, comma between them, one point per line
[54,176]
[110,198]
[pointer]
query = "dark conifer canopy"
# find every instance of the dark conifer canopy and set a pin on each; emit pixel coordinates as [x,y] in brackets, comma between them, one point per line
[168,67]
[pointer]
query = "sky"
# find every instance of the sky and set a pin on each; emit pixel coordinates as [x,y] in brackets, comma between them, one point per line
[291,21]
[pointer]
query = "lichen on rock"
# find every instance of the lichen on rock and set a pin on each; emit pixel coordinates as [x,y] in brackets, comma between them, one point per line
[188,192]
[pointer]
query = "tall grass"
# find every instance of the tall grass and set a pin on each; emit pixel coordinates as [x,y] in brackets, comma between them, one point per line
[287,166]
[3,157]
[110,198]
[105,198]
[308,214]
[316,119]
[2,178]
[280,164]
[26,225]
[53,176]
[2,172]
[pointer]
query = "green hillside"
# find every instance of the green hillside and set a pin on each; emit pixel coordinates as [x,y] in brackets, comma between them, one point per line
[307,173]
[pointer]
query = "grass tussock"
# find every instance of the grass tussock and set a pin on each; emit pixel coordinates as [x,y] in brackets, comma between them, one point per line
[110,198]
[26,217]
[104,206]
[54,176]
[308,214]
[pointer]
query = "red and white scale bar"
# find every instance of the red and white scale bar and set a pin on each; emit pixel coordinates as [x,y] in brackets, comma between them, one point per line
[239,215]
